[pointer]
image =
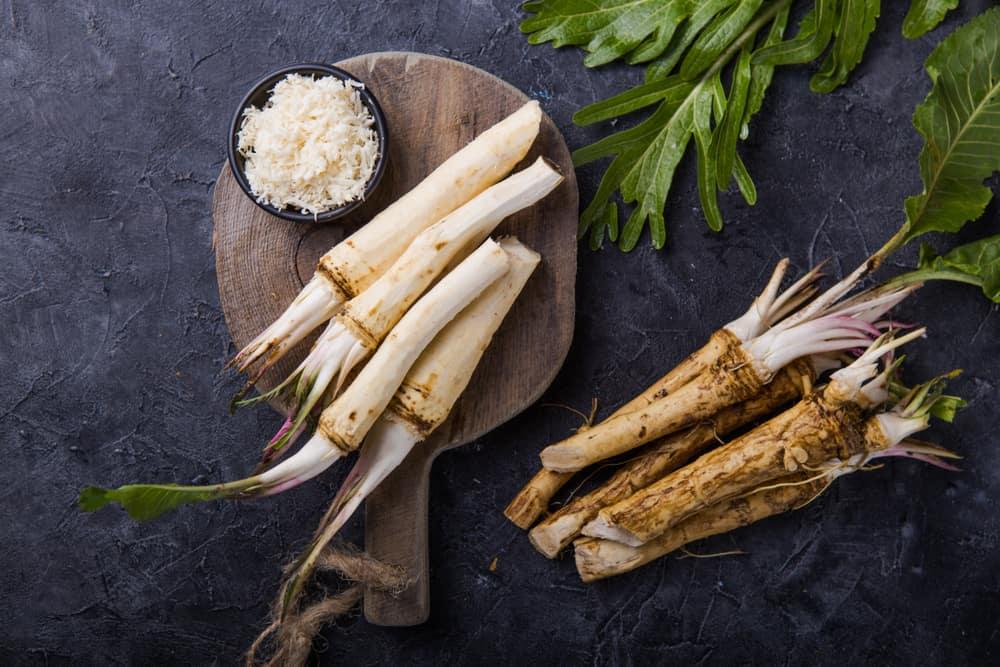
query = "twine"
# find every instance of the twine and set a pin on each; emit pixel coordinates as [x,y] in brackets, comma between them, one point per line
[292,639]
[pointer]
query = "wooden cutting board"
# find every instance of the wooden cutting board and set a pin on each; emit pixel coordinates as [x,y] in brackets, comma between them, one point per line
[434,106]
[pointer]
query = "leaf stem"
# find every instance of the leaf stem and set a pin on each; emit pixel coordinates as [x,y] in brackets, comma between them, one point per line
[891,246]
[921,275]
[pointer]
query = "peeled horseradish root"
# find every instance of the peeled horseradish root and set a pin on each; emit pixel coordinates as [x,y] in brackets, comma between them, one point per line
[357,330]
[403,277]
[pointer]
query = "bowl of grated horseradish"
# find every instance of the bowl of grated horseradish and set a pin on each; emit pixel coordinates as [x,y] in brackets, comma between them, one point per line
[308,143]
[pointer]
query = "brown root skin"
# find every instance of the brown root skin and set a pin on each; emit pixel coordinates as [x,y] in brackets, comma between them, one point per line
[533,500]
[808,434]
[336,276]
[730,380]
[556,532]
[598,559]
[692,366]
[875,438]
[328,429]
[357,327]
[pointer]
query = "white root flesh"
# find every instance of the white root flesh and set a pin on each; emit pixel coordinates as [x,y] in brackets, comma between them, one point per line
[437,379]
[374,311]
[318,301]
[387,444]
[770,307]
[347,420]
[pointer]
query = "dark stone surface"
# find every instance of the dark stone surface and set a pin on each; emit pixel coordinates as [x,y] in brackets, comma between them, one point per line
[113,344]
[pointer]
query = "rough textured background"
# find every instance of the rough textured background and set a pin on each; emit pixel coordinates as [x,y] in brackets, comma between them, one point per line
[113,342]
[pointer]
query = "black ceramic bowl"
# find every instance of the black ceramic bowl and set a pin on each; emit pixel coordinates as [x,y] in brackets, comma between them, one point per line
[258,96]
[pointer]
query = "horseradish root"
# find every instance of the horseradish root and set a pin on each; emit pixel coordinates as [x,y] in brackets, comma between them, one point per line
[885,435]
[346,421]
[556,532]
[735,376]
[738,375]
[825,425]
[598,558]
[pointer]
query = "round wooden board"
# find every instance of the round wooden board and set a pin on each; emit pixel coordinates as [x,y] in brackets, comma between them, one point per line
[434,106]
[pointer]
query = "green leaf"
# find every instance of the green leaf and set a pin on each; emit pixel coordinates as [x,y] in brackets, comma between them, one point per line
[606,29]
[607,222]
[727,133]
[815,32]
[976,263]
[646,155]
[744,182]
[972,258]
[648,182]
[671,89]
[945,407]
[960,123]
[706,167]
[568,22]
[638,170]
[148,501]
[655,44]
[761,75]
[596,211]
[636,138]
[928,398]
[632,28]
[856,23]
[925,15]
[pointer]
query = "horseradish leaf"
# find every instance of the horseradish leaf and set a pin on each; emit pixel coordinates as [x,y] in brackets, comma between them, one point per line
[925,15]
[960,123]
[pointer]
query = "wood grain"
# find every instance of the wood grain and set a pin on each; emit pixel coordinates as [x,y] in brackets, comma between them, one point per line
[434,106]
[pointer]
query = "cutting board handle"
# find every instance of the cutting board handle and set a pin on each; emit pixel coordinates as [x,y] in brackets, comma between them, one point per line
[396,533]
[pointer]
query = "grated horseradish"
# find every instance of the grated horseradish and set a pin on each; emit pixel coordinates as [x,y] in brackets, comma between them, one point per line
[313,145]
